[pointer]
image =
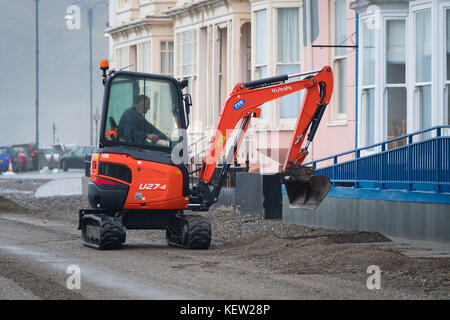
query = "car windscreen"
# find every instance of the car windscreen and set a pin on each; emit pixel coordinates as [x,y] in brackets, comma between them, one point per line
[79,152]
[143,111]
[3,151]
[48,151]
[58,149]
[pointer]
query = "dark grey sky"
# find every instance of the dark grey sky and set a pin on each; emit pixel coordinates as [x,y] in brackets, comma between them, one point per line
[63,71]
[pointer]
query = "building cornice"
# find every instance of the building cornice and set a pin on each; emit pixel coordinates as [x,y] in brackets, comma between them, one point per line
[363,4]
[195,5]
[140,23]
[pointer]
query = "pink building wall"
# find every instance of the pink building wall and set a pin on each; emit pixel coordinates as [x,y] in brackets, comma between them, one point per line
[333,138]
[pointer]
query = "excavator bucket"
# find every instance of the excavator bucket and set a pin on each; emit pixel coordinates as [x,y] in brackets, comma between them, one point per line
[304,190]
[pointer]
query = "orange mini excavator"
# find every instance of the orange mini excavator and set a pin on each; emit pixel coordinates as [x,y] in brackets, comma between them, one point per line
[138,177]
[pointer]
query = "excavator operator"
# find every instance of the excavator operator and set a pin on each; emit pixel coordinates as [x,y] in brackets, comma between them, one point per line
[134,128]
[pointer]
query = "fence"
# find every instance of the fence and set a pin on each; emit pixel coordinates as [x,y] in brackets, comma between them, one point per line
[422,163]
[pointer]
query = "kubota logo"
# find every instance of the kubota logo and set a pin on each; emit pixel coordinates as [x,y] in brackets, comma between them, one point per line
[283,89]
[239,104]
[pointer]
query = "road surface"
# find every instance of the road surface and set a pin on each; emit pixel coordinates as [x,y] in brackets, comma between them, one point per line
[35,254]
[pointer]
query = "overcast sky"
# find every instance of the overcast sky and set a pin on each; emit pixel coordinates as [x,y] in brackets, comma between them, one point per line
[63,71]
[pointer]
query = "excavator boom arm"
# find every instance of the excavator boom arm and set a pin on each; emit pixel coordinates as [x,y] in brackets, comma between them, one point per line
[245,102]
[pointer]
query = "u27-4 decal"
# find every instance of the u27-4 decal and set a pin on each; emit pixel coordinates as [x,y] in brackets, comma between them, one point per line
[152,186]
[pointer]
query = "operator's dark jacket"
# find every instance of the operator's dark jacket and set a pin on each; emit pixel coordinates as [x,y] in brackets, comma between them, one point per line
[133,127]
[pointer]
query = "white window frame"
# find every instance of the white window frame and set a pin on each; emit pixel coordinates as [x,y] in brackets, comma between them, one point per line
[386,85]
[192,62]
[337,118]
[179,59]
[378,19]
[437,72]
[141,57]
[415,84]
[122,52]
[222,37]
[178,46]
[363,89]
[261,122]
[444,83]
[123,4]
[256,66]
[287,122]
[167,51]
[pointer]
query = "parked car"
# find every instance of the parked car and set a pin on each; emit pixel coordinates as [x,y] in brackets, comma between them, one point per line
[6,153]
[60,150]
[24,158]
[75,159]
[31,151]
[49,157]
[71,147]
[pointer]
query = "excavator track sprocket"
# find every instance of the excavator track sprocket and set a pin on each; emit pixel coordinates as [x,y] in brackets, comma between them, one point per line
[102,232]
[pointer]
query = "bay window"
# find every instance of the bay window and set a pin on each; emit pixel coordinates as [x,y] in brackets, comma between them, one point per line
[404,69]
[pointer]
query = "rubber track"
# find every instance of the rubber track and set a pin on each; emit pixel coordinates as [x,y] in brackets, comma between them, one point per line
[199,237]
[111,234]
[199,232]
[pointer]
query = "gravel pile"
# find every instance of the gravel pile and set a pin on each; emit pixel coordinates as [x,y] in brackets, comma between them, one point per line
[22,192]
[230,227]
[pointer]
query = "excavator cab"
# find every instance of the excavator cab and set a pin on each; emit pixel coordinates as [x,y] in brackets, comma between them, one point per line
[143,111]
[138,177]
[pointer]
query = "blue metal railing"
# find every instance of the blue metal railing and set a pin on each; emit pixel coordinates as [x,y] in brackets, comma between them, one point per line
[422,163]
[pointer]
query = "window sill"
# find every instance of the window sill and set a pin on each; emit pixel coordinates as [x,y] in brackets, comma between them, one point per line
[337,123]
[271,129]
